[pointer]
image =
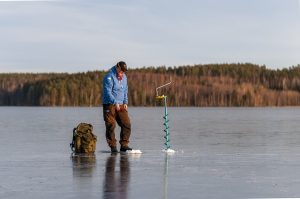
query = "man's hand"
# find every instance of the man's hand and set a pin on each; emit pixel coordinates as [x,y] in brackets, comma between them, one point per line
[121,107]
[118,107]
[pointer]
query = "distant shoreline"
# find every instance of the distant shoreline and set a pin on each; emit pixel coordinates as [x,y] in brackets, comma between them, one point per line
[211,85]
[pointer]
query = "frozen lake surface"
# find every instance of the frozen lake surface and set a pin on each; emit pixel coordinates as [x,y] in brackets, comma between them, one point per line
[220,153]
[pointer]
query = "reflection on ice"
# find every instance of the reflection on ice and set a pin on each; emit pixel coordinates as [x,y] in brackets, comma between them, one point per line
[84,169]
[115,184]
[166,174]
[83,165]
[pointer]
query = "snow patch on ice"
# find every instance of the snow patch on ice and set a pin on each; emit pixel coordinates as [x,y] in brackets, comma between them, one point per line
[136,151]
[169,151]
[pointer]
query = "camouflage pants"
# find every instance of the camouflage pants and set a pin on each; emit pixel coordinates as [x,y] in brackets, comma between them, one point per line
[111,116]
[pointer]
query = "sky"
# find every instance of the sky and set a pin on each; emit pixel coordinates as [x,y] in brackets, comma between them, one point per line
[86,35]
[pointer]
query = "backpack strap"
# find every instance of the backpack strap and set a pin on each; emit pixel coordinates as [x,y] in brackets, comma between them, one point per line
[72,144]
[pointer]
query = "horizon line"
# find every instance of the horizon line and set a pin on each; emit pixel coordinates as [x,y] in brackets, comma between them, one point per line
[141,67]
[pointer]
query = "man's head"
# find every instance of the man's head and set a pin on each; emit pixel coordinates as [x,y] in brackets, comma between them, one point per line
[121,66]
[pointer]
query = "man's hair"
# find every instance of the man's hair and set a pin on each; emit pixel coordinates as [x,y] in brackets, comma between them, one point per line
[122,65]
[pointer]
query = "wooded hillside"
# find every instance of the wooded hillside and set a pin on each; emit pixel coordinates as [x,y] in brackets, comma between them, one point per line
[199,85]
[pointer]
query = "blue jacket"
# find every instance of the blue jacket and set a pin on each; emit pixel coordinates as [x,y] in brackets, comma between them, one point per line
[114,91]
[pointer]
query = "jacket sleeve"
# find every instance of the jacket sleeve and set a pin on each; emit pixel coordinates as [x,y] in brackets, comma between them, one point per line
[125,101]
[107,87]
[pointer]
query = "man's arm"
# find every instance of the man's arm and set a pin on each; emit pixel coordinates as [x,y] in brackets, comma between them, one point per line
[125,101]
[126,98]
[107,87]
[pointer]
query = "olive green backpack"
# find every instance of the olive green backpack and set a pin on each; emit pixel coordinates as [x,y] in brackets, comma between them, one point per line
[84,141]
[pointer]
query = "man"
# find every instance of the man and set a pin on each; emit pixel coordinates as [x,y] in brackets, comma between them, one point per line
[115,100]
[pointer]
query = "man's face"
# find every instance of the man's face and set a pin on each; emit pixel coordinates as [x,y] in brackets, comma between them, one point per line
[119,71]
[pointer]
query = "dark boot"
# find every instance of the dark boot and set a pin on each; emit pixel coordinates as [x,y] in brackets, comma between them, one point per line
[125,148]
[114,150]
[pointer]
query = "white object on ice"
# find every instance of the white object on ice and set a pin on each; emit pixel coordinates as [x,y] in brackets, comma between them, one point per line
[137,151]
[169,151]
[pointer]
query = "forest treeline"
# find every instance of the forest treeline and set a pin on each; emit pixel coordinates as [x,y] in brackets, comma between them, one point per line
[198,85]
